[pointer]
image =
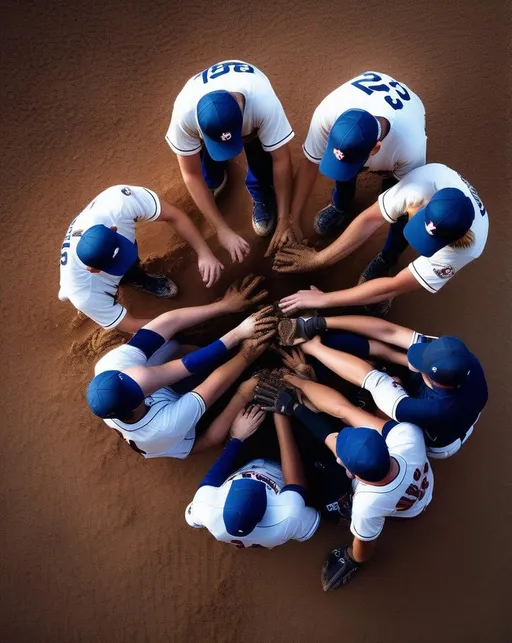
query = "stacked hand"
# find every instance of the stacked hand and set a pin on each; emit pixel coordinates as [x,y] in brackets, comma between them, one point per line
[246,422]
[240,295]
[312,298]
[237,247]
[285,235]
[259,323]
[296,362]
[210,268]
[297,258]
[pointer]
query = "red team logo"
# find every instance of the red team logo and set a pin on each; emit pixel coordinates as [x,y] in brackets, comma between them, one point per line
[226,136]
[338,154]
[430,228]
[414,492]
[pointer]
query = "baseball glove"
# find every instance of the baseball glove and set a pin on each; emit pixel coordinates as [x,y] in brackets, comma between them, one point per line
[273,395]
[338,569]
[296,331]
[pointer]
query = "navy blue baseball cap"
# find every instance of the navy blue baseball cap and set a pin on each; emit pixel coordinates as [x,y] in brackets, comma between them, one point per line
[364,453]
[353,136]
[245,506]
[104,249]
[447,217]
[446,360]
[220,119]
[113,394]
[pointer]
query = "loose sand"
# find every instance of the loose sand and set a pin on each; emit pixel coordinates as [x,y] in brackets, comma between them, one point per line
[94,547]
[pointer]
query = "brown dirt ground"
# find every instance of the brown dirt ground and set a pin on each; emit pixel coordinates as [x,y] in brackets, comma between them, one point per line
[94,547]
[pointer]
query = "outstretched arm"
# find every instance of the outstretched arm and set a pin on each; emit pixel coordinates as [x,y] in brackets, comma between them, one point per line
[303,184]
[374,328]
[283,177]
[349,367]
[293,471]
[210,267]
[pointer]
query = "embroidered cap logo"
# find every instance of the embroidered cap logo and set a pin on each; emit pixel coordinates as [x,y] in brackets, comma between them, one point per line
[226,136]
[338,154]
[116,251]
[430,228]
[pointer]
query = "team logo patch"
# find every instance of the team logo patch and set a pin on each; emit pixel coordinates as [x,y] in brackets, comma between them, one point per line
[226,136]
[430,228]
[126,191]
[434,369]
[444,272]
[338,154]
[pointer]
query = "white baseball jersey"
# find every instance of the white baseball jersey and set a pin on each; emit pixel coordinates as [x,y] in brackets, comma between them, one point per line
[169,427]
[287,516]
[95,294]
[420,185]
[404,497]
[263,113]
[405,146]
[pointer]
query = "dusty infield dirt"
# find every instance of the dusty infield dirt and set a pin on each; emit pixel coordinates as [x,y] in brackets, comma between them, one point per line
[94,546]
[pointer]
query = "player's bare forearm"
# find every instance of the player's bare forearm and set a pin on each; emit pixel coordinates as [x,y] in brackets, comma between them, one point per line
[291,463]
[219,428]
[372,292]
[152,378]
[349,367]
[222,378]
[324,398]
[372,327]
[387,353]
[205,202]
[283,176]
[303,184]
[170,323]
[354,236]
[184,227]
[362,550]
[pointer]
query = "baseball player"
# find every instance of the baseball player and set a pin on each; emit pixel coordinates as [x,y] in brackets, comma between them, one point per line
[225,109]
[99,252]
[443,391]
[371,123]
[433,209]
[262,504]
[135,388]
[386,460]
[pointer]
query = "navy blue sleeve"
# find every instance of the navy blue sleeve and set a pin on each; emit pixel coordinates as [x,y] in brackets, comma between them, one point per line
[317,423]
[390,424]
[223,466]
[206,358]
[416,410]
[347,342]
[297,488]
[148,341]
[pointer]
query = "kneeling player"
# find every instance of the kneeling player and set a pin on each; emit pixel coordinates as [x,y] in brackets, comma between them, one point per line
[261,504]
[443,392]
[387,462]
[132,388]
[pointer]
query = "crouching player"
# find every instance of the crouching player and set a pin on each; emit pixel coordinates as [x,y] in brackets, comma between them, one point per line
[133,385]
[386,461]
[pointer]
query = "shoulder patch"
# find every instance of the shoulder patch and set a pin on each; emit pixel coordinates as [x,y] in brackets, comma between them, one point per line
[444,272]
[126,191]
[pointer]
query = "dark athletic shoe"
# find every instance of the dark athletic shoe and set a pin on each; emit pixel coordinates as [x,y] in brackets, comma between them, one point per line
[156,285]
[338,569]
[376,269]
[263,218]
[328,221]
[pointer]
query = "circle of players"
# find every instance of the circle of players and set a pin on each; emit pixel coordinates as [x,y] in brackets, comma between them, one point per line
[412,397]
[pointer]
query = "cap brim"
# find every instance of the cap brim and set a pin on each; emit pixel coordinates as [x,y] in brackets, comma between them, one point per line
[415,356]
[124,259]
[416,234]
[340,170]
[224,151]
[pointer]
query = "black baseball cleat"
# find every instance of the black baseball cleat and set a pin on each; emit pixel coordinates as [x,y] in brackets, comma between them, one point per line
[156,285]
[328,221]
[338,569]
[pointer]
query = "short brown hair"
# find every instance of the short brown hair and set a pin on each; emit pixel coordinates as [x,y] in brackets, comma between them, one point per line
[464,242]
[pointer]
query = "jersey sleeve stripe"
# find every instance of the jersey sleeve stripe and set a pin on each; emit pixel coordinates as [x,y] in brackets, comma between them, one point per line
[312,530]
[395,406]
[157,204]
[178,150]
[312,158]
[117,319]
[383,210]
[273,146]
[361,537]
[420,279]
[202,403]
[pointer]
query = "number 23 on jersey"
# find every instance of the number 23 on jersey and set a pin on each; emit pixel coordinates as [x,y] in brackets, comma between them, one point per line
[370,82]
[224,68]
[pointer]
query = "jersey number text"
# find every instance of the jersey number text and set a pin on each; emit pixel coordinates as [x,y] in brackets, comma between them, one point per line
[224,68]
[366,84]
